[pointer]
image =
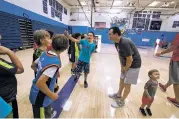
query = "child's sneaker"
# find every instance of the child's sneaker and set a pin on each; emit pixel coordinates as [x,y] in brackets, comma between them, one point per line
[149,112]
[72,72]
[142,111]
[162,87]
[115,96]
[173,100]
[85,84]
[76,77]
[119,103]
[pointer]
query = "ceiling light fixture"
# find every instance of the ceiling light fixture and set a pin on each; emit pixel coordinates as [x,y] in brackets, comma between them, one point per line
[172,2]
[84,2]
[117,3]
[165,4]
[155,3]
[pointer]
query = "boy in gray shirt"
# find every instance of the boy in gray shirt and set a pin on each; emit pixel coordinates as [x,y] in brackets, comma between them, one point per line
[149,91]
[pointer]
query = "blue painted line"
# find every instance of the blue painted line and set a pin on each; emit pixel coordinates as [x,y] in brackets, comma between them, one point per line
[64,94]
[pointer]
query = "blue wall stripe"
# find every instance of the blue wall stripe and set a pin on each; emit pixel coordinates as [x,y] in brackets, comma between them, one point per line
[136,37]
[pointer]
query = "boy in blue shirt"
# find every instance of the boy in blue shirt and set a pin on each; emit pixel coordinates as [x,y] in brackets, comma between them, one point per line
[85,54]
[42,91]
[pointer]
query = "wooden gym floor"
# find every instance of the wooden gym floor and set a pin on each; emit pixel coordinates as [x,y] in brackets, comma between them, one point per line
[94,102]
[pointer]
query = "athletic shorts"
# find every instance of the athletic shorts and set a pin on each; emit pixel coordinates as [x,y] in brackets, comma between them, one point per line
[174,72]
[42,112]
[73,57]
[80,66]
[14,113]
[146,100]
[131,76]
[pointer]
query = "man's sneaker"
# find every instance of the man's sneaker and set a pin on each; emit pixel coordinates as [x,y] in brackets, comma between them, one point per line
[173,100]
[115,96]
[85,84]
[149,112]
[142,111]
[162,87]
[119,103]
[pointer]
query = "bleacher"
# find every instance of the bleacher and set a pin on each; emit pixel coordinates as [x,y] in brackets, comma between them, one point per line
[17,31]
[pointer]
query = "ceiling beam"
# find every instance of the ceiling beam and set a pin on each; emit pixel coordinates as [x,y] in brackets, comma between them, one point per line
[131,8]
[112,4]
[67,3]
[94,6]
[171,14]
[147,5]
[83,11]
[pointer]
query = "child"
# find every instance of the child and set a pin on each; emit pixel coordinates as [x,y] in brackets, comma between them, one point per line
[0,39]
[8,81]
[51,35]
[96,43]
[75,51]
[42,91]
[149,92]
[43,40]
[85,54]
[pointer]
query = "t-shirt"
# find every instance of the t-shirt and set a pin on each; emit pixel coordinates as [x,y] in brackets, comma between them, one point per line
[175,55]
[127,48]
[37,53]
[151,87]
[86,50]
[50,72]
[8,82]
[46,65]
[77,50]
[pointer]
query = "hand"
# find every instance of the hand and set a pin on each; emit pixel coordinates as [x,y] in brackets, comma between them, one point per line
[66,33]
[158,54]
[123,69]
[54,96]
[150,97]
[4,50]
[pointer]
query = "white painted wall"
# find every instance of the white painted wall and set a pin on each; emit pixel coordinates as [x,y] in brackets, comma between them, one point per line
[36,7]
[104,17]
[79,23]
[97,17]
[168,22]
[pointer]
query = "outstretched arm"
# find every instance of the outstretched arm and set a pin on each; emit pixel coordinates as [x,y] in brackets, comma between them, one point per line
[170,49]
[71,38]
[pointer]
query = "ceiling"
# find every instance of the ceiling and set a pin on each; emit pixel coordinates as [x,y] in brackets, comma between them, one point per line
[117,6]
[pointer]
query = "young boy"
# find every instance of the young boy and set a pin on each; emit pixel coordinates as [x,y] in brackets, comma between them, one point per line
[43,39]
[51,35]
[149,92]
[85,54]
[42,91]
[8,81]
[75,51]
[0,39]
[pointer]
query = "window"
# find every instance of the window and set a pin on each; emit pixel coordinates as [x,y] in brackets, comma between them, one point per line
[45,9]
[175,24]
[52,12]
[155,25]
[65,11]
